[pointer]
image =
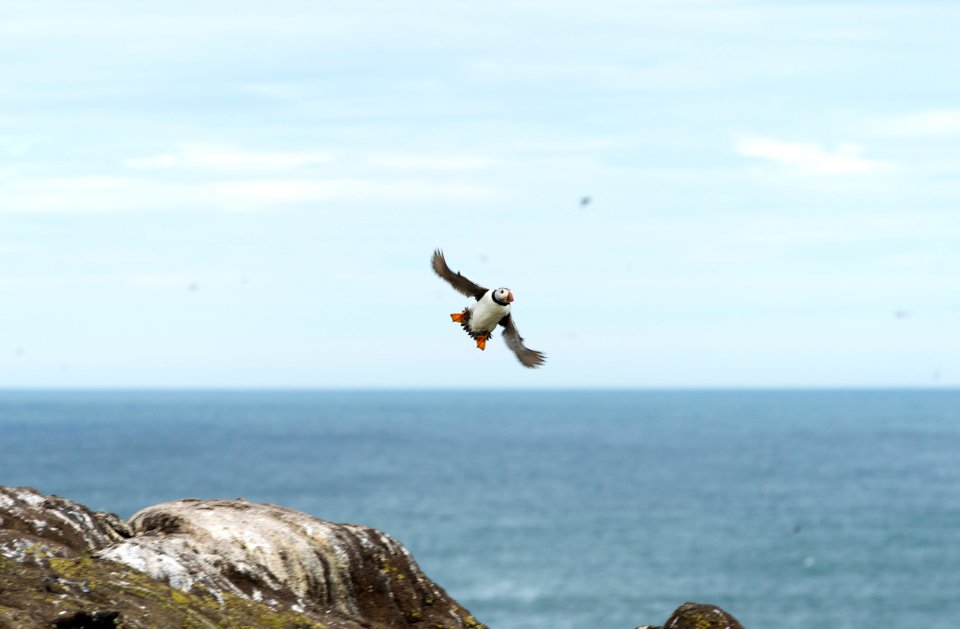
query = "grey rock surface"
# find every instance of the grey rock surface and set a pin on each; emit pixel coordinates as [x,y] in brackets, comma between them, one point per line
[286,559]
[32,523]
[209,563]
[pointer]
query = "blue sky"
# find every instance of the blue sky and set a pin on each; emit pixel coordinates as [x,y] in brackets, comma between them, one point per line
[234,194]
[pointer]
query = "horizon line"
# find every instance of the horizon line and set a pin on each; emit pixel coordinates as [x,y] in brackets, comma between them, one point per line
[395,389]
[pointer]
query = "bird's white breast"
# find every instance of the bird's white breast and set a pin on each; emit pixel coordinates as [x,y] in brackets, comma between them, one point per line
[486,313]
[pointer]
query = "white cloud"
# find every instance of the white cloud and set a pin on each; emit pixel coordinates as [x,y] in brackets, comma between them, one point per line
[185,281]
[165,160]
[8,249]
[922,123]
[816,229]
[412,161]
[809,157]
[614,76]
[246,194]
[132,194]
[911,261]
[232,159]
[92,194]
[224,158]
[145,280]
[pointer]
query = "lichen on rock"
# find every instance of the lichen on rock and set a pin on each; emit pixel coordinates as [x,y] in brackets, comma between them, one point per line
[286,558]
[206,563]
[31,522]
[701,616]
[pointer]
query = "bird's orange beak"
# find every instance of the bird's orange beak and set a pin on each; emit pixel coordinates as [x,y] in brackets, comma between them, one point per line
[510,296]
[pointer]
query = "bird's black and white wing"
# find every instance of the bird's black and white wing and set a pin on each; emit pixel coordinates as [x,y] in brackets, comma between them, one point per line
[528,357]
[459,282]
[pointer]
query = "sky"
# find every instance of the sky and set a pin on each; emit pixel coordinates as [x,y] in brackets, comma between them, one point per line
[247,194]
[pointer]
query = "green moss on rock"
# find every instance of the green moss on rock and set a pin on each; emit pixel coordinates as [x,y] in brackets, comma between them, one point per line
[701,616]
[57,588]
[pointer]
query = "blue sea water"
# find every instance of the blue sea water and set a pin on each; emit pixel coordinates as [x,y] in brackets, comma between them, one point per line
[600,509]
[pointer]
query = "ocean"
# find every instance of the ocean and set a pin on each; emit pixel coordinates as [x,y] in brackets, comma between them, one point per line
[560,510]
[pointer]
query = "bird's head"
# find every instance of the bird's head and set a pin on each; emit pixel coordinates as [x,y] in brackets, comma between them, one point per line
[503,296]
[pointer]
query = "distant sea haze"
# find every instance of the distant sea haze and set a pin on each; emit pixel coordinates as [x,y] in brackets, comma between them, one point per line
[560,510]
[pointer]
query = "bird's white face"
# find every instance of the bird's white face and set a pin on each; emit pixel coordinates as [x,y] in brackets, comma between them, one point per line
[503,295]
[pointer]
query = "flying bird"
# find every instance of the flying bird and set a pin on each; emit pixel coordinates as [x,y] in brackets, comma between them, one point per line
[491,309]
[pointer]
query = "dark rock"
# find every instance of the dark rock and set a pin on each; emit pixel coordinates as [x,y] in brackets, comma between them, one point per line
[86,620]
[138,600]
[31,523]
[701,616]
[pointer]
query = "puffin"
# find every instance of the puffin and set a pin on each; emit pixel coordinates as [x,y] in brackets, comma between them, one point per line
[491,309]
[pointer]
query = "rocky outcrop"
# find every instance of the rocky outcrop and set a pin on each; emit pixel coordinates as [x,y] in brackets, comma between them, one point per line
[31,522]
[699,616]
[287,559]
[220,564]
[206,563]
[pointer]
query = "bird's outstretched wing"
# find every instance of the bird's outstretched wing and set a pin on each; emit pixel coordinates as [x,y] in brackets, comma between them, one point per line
[529,357]
[459,282]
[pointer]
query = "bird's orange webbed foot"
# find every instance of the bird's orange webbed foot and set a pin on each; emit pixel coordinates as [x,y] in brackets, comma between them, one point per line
[482,342]
[457,317]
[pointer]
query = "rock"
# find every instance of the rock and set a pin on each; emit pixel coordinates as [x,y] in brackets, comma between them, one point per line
[701,616]
[286,559]
[86,620]
[210,563]
[83,592]
[31,522]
